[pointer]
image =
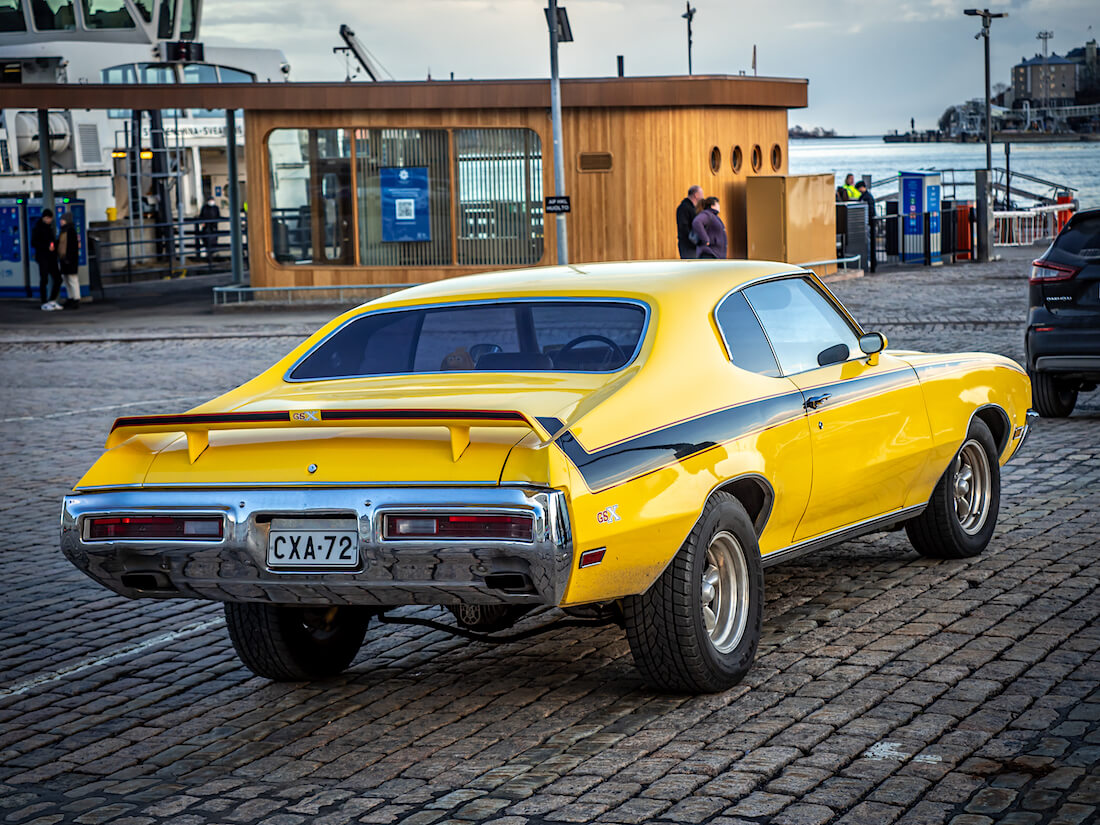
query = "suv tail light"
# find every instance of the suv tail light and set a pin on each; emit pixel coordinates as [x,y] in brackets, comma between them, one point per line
[179,528]
[1046,271]
[477,526]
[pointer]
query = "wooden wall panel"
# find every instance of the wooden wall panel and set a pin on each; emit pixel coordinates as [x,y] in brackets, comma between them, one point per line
[624,214]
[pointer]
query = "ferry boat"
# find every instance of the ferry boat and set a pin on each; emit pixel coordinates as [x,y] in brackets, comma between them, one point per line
[120,41]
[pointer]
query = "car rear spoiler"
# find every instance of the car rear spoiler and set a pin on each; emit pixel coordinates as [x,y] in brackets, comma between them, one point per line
[197,426]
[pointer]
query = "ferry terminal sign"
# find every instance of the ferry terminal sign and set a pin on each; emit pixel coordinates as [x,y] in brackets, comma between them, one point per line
[405,202]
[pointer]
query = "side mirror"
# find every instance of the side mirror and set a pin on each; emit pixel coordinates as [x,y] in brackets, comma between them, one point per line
[872,344]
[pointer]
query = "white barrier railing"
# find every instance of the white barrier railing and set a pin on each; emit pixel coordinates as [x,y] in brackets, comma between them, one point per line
[1025,227]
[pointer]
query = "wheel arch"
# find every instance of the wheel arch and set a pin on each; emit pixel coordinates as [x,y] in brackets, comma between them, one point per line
[1000,425]
[755,494]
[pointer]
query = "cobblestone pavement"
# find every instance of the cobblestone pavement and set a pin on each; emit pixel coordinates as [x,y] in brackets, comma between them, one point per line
[888,688]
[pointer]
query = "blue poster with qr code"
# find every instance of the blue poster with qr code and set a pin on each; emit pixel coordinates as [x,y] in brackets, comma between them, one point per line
[405,204]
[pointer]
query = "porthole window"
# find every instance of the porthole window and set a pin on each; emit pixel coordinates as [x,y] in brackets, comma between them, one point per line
[715,159]
[777,157]
[736,159]
[757,158]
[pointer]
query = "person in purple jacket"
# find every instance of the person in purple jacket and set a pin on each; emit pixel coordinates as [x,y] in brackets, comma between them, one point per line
[710,231]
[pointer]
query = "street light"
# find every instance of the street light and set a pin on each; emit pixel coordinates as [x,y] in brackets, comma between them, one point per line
[987,17]
[558,23]
[688,15]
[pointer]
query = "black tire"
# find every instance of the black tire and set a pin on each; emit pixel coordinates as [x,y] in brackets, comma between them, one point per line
[1053,397]
[666,628]
[286,643]
[940,532]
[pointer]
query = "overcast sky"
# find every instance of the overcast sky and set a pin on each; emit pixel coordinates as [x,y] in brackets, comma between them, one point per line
[872,64]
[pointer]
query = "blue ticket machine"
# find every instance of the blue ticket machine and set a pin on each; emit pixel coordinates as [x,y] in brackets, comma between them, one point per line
[920,194]
[13,244]
[33,211]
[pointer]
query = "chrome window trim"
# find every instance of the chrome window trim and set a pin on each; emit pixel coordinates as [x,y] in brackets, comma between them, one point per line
[478,302]
[815,283]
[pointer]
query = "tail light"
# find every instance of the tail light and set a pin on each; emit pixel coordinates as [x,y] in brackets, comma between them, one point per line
[1042,271]
[180,528]
[476,526]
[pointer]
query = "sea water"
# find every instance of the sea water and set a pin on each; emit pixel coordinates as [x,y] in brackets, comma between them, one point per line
[1070,164]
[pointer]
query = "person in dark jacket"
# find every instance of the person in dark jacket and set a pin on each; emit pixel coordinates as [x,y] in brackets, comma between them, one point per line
[710,231]
[68,260]
[685,214]
[44,244]
[869,199]
[208,231]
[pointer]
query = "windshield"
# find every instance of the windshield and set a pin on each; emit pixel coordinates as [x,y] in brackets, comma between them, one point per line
[519,336]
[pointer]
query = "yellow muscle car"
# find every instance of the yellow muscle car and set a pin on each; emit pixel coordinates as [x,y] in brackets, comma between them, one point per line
[634,440]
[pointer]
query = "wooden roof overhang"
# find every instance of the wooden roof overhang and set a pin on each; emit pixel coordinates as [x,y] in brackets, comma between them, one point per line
[630,92]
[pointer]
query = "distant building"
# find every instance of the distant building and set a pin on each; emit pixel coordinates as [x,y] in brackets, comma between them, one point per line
[1044,81]
[1088,73]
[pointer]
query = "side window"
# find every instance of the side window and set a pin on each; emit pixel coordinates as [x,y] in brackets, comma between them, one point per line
[801,323]
[748,347]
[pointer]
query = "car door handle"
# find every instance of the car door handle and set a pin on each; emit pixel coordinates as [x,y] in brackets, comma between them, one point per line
[815,401]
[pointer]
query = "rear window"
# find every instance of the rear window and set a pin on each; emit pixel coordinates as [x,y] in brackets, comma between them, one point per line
[1079,241]
[519,336]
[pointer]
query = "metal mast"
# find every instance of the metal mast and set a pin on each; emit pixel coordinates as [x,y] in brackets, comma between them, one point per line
[688,15]
[1044,70]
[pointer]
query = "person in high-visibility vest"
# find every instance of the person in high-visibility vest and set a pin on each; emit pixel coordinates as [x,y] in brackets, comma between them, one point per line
[849,187]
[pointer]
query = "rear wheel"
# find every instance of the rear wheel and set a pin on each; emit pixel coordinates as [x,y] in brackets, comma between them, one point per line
[696,629]
[962,513]
[287,643]
[1053,397]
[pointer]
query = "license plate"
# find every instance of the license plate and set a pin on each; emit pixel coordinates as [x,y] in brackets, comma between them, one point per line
[313,549]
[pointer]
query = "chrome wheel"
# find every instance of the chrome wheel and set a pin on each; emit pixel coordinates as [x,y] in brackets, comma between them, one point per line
[725,592]
[971,486]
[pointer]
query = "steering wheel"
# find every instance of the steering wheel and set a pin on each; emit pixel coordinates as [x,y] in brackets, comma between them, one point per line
[613,349]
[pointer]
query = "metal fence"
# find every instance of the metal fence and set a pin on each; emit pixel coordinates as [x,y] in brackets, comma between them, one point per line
[946,236]
[1025,227]
[180,247]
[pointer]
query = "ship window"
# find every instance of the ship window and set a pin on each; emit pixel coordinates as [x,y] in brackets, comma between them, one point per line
[200,73]
[166,26]
[53,15]
[106,14]
[188,20]
[146,9]
[11,17]
[228,75]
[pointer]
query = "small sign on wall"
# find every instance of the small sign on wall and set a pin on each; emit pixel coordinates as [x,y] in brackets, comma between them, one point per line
[557,204]
[405,202]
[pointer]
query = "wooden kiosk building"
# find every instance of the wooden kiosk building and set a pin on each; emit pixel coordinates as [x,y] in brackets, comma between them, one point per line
[398,182]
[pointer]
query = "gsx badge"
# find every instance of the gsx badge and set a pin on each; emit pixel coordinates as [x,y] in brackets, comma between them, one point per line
[609,515]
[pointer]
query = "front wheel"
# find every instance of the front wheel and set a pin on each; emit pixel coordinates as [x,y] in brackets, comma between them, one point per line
[962,512]
[1053,397]
[697,627]
[287,643]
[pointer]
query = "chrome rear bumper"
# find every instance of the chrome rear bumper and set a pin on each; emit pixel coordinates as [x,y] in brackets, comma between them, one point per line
[389,573]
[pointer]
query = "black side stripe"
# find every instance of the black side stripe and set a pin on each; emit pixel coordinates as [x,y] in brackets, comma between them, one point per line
[637,456]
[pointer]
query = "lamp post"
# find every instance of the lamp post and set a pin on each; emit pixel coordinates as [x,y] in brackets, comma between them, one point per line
[982,178]
[560,32]
[688,15]
[987,17]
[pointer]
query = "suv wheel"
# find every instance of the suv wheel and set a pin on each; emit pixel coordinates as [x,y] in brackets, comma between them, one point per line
[1053,397]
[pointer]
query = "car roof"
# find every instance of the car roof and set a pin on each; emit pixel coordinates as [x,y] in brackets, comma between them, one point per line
[706,281]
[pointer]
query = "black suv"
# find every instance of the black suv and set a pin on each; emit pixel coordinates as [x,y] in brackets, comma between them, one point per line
[1063,320]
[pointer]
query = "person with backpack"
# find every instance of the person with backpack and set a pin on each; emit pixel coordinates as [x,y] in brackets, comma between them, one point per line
[709,230]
